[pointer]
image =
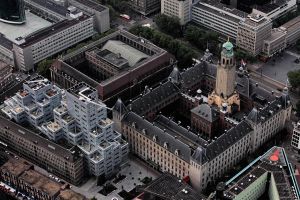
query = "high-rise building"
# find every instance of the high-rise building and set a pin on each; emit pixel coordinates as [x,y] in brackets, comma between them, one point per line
[224,95]
[145,7]
[12,11]
[176,8]
[252,32]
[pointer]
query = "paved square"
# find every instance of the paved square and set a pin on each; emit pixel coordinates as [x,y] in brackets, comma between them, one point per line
[135,170]
[278,70]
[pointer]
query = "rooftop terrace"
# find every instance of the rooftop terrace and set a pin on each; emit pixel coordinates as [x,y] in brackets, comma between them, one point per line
[41,182]
[16,166]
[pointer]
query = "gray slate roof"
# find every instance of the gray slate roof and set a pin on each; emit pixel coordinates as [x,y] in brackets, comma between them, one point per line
[206,112]
[142,104]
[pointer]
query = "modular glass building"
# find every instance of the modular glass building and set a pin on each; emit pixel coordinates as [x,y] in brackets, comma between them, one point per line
[12,11]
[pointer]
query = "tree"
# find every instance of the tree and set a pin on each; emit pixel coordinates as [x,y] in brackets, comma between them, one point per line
[294,78]
[94,198]
[201,38]
[298,45]
[43,67]
[169,25]
[179,49]
[298,108]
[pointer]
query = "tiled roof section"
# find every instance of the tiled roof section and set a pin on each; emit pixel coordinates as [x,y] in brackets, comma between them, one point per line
[180,132]
[263,114]
[206,112]
[243,85]
[273,162]
[227,139]
[142,104]
[170,187]
[259,94]
[153,132]
[194,74]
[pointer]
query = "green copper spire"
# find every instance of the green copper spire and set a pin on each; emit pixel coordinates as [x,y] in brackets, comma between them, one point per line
[227,49]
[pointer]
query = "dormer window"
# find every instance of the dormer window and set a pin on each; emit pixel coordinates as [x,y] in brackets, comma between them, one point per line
[177,152]
[144,131]
[165,145]
[154,138]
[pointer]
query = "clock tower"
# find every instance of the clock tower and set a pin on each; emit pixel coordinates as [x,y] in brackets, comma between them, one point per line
[224,95]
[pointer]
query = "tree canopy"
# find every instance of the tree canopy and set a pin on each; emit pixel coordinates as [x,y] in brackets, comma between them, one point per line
[168,25]
[294,78]
[201,38]
[179,49]
[43,67]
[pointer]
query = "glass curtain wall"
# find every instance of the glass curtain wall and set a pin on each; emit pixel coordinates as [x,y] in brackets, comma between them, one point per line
[12,11]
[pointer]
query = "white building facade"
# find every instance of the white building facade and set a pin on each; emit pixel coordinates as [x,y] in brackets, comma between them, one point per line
[76,116]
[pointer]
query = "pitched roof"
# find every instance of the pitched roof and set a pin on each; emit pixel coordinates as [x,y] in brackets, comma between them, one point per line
[206,112]
[143,103]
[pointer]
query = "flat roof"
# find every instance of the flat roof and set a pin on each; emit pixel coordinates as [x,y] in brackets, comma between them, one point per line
[292,24]
[92,4]
[51,30]
[16,166]
[41,182]
[52,6]
[33,23]
[216,7]
[70,194]
[273,161]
